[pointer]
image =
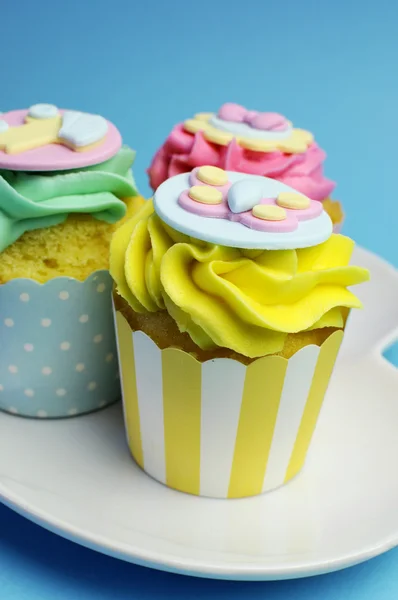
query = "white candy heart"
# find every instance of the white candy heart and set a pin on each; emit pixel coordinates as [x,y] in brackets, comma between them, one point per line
[244,195]
[82,129]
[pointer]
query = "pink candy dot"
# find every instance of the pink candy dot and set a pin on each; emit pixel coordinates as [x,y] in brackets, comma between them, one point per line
[269,121]
[266,121]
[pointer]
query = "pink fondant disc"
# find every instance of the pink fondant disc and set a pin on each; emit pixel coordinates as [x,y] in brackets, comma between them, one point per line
[56,157]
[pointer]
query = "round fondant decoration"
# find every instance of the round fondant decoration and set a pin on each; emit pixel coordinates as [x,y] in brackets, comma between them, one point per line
[43,111]
[46,138]
[293,200]
[212,175]
[245,211]
[253,130]
[269,212]
[205,194]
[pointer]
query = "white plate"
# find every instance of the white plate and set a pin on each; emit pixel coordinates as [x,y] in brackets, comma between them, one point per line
[76,477]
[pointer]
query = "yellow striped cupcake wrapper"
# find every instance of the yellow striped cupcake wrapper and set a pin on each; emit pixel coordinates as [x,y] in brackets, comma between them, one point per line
[221,429]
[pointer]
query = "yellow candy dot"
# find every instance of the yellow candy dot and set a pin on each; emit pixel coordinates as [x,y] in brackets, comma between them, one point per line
[205,194]
[269,212]
[203,116]
[212,175]
[293,200]
[193,125]
[217,136]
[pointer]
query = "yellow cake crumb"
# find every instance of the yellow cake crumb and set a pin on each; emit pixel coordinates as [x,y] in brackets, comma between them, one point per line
[163,330]
[75,248]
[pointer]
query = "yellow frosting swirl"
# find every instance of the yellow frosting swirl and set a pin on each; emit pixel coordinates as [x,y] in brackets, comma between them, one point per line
[244,300]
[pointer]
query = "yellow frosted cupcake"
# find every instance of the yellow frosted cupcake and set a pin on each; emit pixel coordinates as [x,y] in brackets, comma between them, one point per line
[231,302]
[65,184]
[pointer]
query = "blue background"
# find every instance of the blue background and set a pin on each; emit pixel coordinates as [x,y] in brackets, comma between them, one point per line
[329,66]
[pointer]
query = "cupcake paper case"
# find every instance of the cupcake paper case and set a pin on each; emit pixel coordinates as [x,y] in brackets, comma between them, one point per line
[247,141]
[65,181]
[58,351]
[231,302]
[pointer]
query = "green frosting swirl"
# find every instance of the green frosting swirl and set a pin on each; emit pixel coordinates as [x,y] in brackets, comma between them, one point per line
[36,201]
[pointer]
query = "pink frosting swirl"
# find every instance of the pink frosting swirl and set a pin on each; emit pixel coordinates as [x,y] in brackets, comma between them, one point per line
[183,151]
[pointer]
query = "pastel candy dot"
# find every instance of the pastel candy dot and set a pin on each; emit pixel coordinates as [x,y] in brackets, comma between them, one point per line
[80,367]
[24,297]
[250,115]
[232,112]
[202,116]
[43,111]
[293,201]
[193,125]
[269,121]
[64,295]
[218,136]
[212,175]
[205,194]
[269,212]
[72,411]
[9,322]
[29,392]
[244,195]
[42,414]
[45,322]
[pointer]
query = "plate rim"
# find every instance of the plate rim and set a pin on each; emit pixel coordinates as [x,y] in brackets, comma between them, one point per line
[199,567]
[180,566]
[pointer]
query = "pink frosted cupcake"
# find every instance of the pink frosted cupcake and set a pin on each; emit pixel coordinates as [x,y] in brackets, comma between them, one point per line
[246,141]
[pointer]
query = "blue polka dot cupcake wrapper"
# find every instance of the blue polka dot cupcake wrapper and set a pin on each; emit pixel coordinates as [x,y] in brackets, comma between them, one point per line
[58,354]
